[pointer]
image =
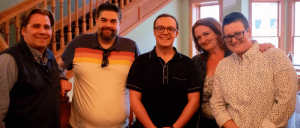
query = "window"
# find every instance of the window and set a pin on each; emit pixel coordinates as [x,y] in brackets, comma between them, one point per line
[203,9]
[212,9]
[297,34]
[265,22]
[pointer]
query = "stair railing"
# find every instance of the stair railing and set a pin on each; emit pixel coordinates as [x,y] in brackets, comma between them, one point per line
[12,15]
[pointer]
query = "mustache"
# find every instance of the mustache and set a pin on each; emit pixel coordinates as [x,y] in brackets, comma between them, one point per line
[107,28]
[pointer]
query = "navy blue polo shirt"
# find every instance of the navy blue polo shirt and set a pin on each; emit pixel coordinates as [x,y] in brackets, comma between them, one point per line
[164,86]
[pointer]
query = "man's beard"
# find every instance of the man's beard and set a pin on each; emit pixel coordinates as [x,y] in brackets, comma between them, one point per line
[106,36]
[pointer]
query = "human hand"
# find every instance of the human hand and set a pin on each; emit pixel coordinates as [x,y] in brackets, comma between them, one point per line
[229,124]
[65,86]
[265,46]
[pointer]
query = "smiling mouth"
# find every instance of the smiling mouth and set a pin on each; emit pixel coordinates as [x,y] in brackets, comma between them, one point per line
[164,38]
[42,38]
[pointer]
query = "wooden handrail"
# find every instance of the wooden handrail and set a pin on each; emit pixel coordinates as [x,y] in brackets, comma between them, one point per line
[17,9]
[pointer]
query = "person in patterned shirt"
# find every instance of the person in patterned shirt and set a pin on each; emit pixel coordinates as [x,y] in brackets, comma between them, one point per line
[252,89]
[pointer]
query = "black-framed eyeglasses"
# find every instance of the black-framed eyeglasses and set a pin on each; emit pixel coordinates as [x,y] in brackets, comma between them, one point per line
[237,35]
[161,29]
[105,61]
[46,70]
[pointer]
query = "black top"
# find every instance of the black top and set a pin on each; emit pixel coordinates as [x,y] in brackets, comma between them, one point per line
[164,86]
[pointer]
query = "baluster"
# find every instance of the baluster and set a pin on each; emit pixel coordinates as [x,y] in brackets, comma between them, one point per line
[121,3]
[62,39]
[91,15]
[69,21]
[76,19]
[53,28]
[116,3]
[17,28]
[7,32]
[126,2]
[45,4]
[83,18]
[97,4]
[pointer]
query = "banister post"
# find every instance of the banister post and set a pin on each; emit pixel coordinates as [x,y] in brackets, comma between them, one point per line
[91,15]
[53,46]
[83,17]
[3,44]
[17,24]
[62,40]
[7,32]
[76,19]
[69,22]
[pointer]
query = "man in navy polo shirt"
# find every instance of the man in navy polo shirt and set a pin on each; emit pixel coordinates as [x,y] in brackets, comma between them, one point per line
[164,85]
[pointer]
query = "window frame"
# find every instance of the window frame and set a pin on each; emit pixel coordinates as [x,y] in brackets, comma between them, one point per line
[280,23]
[291,26]
[194,7]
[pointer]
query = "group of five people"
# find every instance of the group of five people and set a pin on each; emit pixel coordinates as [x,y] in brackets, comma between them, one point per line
[232,82]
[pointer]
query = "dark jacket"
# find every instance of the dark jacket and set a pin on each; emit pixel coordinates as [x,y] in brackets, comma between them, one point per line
[34,98]
[201,64]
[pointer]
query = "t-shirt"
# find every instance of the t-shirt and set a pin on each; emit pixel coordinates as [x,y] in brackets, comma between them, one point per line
[100,98]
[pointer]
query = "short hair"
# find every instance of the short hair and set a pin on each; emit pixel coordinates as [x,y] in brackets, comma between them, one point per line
[234,17]
[108,7]
[166,15]
[26,17]
[214,25]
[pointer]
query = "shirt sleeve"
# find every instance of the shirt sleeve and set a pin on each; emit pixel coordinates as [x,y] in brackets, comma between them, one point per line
[193,78]
[134,80]
[218,104]
[285,80]
[137,51]
[68,54]
[8,77]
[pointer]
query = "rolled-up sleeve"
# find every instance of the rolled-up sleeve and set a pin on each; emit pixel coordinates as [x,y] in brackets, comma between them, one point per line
[8,76]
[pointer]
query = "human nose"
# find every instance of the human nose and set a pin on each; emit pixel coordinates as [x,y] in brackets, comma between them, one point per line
[107,24]
[233,39]
[165,31]
[203,39]
[42,31]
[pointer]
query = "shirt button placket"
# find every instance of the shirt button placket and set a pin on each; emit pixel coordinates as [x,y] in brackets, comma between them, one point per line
[165,74]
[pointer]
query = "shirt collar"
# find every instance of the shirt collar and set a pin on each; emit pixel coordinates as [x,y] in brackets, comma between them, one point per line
[95,44]
[32,54]
[203,59]
[250,54]
[153,55]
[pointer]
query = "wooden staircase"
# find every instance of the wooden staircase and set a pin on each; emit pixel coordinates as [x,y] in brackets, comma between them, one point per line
[80,21]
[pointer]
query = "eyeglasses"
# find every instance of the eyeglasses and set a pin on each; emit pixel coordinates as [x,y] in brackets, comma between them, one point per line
[45,69]
[237,35]
[161,29]
[105,60]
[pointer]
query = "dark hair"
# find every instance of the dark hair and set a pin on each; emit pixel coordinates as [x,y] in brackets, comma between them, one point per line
[234,17]
[214,25]
[26,17]
[166,15]
[109,7]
